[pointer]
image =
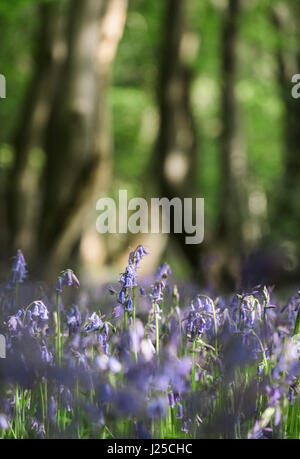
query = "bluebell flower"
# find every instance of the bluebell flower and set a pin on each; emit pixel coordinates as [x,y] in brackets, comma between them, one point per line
[74,320]
[38,428]
[129,279]
[94,323]
[122,295]
[136,256]
[3,422]
[114,365]
[46,355]
[68,278]
[52,409]
[128,306]
[106,330]
[39,311]
[15,323]
[19,271]
[171,399]
[291,396]
[275,393]
[179,411]
[163,271]
[157,292]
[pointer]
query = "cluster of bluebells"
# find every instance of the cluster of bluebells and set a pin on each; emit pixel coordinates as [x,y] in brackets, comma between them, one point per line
[201,367]
[128,279]
[159,287]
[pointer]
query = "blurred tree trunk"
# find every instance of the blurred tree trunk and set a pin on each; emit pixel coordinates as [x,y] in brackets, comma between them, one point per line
[67,114]
[288,64]
[78,139]
[233,186]
[50,54]
[176,148]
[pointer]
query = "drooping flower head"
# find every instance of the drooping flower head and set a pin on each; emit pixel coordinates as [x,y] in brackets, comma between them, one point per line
[158,287]
[163,271]
[94,323]
[74,320]
[18,271]
[128,279]
[137,255]
[66,277]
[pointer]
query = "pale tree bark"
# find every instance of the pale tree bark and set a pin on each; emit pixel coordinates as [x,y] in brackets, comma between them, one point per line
[78,145]
[113,24]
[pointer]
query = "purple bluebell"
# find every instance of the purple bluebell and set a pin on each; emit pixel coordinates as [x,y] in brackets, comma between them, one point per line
[52,409]
[19,271]
[68,278]
[171,399]
[94,323]
[74,320]
[136,256]
[3,422]
[179,411]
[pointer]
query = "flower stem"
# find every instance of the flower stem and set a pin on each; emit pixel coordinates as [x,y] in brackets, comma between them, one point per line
[214,320]
[133,321]
[58,339]
[297,324]
[156,329]
[133,306]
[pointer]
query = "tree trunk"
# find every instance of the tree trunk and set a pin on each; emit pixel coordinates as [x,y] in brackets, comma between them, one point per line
[289,207]
[233,157]
[233,203]
[78,142]
[35,114]
[176,149]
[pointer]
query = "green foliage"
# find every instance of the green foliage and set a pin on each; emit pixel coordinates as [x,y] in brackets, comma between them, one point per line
[133,93]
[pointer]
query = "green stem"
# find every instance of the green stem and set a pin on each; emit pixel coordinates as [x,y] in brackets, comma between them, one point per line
[17,295]
[266,366]
[133,320]
[297,323]
[156,329]
[133,306]
[125,318]
[58,339]
[180,336]
[193,364]
[214,320]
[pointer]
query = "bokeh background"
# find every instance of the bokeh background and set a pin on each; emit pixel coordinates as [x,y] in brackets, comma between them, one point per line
[163,98]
